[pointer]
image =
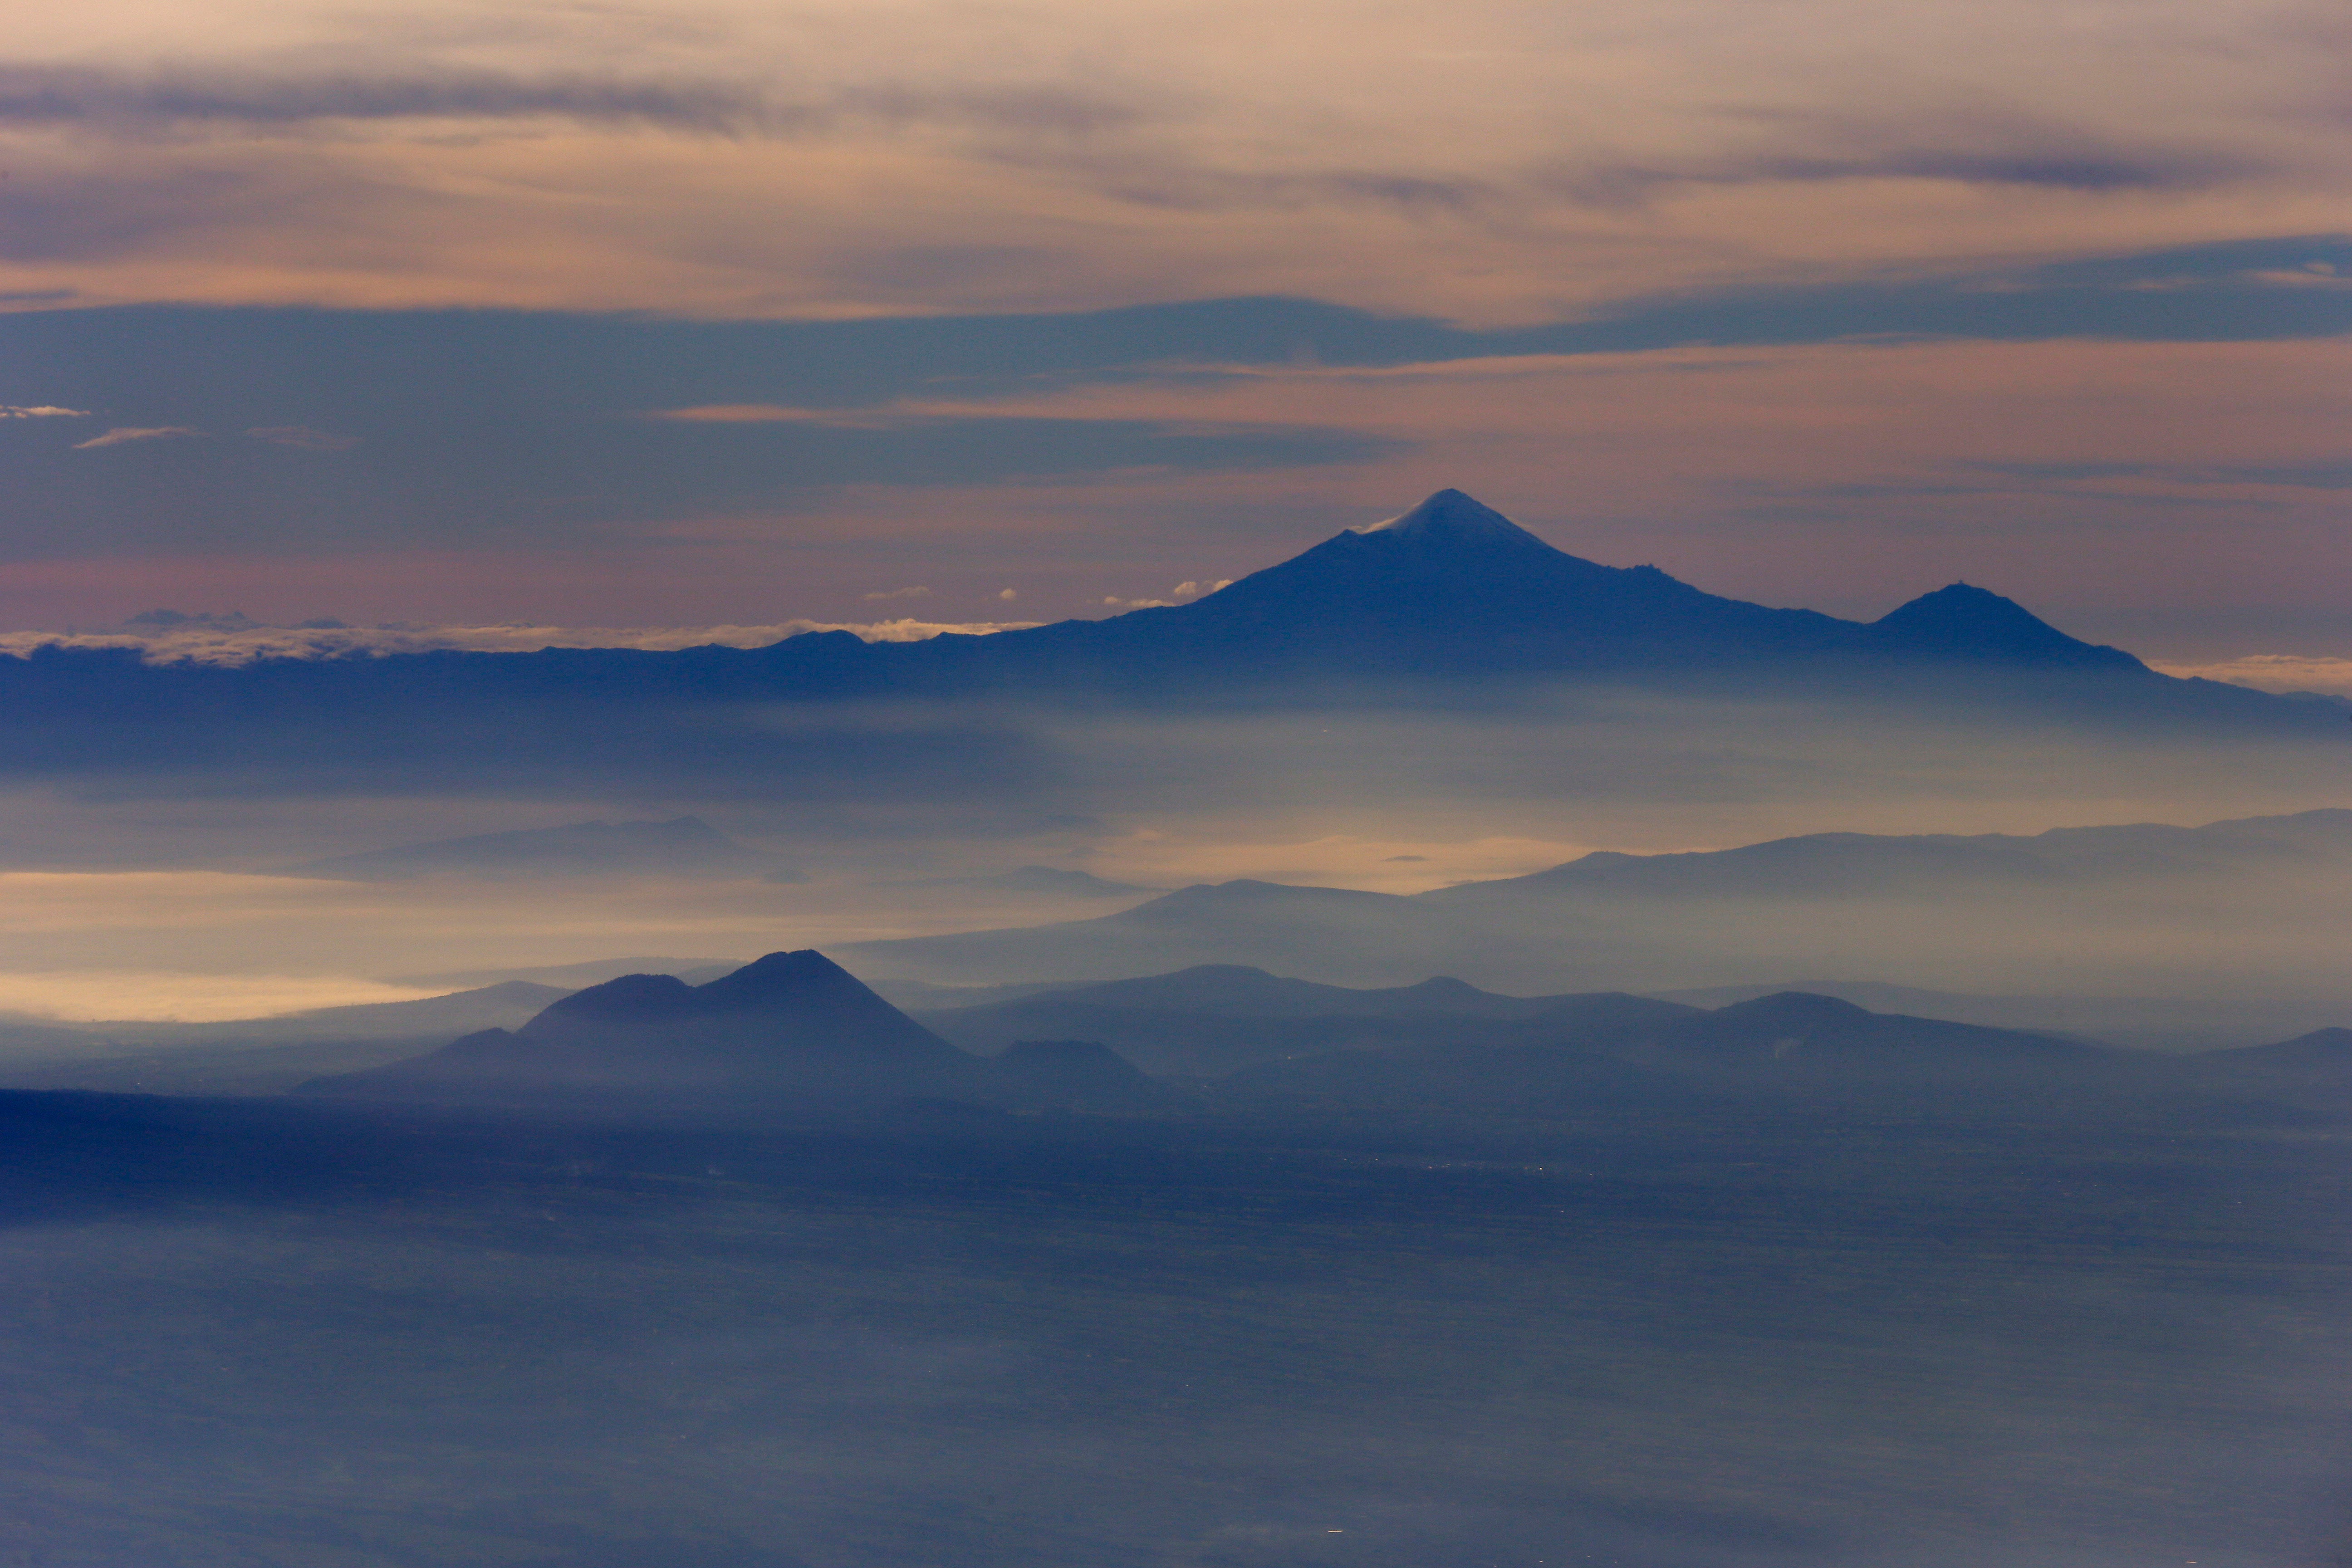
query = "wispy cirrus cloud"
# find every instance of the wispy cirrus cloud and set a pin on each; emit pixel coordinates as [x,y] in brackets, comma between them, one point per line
[1049,155]
[126,433]
[40,411]
[313,91]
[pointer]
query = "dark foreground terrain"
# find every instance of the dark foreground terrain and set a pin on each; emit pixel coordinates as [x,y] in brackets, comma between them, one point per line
[1713,1334]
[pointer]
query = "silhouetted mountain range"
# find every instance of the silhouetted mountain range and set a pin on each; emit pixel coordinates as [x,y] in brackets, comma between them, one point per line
[1454,589]
[795,1033]
[792,1031]
[2155,1022]
[788,1022]
[1214,1018]
[1837,865]
[1790,905]
[1450,593]
[1787,1043]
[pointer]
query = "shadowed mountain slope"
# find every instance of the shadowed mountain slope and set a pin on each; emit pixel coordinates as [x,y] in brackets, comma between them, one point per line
[1454,591]
[1075,1075]
[789,1023]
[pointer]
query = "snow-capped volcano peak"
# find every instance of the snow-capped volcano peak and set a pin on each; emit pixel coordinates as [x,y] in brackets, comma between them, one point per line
[1449,517]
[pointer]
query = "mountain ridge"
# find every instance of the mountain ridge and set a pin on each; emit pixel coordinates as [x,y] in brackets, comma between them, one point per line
[1644,922]
[1451,602]
[1454,588]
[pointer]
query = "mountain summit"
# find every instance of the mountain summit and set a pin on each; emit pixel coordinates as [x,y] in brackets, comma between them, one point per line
[1450,521]
[1453,590]
[1450,589]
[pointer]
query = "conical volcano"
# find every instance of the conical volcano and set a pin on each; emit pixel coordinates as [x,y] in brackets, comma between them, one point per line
[1450,589]
[1450,521]
[1962,622]
[792,1024]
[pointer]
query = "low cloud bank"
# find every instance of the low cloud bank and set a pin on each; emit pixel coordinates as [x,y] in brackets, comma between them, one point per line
[2274,672]
[205,642]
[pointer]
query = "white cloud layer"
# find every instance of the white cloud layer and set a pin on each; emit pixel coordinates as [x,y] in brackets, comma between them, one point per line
[211,643]
[40,411]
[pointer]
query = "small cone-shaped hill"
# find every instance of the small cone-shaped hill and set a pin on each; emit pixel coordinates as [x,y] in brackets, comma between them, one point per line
[791,1021]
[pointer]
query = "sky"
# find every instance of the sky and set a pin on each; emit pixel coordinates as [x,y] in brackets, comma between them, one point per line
[691,316]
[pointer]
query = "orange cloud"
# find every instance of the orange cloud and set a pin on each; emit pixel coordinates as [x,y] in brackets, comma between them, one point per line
[1506,161]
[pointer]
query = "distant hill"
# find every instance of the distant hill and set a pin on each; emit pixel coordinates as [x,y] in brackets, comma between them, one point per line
[789,1023]
[1839,864]
[2114,909]
[2323,1055]
[681,846]
[1786,1043]
[2153,1023]
[790,1031]
[1211,1019]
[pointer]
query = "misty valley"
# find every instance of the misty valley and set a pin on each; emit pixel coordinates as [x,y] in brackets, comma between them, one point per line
[1436,1055]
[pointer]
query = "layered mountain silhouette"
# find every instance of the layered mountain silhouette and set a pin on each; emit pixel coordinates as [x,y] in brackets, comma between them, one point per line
[1448,595]
[795,1031]
[1454,589]
[789,1030]
[789,1023]
[1256,1029]
[1788,1043]
[1214,1018]
[1794,906]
